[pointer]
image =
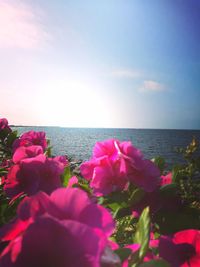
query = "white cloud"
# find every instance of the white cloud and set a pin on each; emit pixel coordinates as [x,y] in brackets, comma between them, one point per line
[20,26]
[126,73]
[152,86]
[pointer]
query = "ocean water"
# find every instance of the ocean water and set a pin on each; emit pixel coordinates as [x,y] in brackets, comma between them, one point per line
[78,143]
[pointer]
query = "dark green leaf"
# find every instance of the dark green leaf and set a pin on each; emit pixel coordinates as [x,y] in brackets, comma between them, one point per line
[11,138]
[123,253]
[171,222]
[168,190]
[123,212]
[175,173]
[155,263]
[136,196]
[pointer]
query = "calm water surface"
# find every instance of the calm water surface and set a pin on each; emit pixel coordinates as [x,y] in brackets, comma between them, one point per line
[78,142]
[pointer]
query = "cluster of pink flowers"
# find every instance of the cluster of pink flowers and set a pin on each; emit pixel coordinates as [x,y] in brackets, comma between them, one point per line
[114,165]
[32,170]
[64,226]
[72,230]
[31,138]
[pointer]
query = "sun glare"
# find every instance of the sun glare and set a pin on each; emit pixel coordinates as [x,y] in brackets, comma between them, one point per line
[76,103]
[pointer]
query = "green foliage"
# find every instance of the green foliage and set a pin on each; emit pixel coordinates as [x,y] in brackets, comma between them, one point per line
[167,191]
[136,196]
[123,253]
[66,176]
[187,176]
[12,136]
[154,263]
[170,222]
[7,208]
[125,229]
[160,162]
[142,234]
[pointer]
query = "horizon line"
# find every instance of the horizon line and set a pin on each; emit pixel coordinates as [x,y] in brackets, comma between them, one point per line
[125,128]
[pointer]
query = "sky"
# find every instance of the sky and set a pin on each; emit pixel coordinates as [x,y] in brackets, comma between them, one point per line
[102,63]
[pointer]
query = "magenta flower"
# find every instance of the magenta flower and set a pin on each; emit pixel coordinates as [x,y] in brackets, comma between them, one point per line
[31,175]
[31,138]
[105,177]
[4,124]
[23,152]
[72,181]
[114,164]
[63,229]
[4,128]
[166,179]
[182,249]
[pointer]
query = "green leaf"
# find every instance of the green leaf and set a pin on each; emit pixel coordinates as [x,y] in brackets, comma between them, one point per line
[118,197]
[142,234]
[134,259]
[155,263]
[168,190]
[11,138]
[175,173]
[4,133]
[122,212]
[123,253]
[160,162]
[136,196]
[48,151]
[85,187]
[171,222]
[66,176]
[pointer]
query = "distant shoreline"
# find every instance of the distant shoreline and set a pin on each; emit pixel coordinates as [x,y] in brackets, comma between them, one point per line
[122,128]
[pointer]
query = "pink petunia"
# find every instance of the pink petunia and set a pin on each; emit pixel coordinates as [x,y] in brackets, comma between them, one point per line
[31,138]
[115,164]
[166,179]
[26,152]
[4,124]
[182,249]
[63,229]
[72,181]
[31,175]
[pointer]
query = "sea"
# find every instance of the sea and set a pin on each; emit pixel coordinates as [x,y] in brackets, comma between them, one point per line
[77,143]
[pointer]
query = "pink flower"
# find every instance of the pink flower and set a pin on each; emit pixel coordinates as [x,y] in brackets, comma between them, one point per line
[72,181]
[63,229]
[4,128]
[166,179]
[26,152]
[31,138]
[33,174]
[4,124]
[114,164]
[182,249]
[105,177]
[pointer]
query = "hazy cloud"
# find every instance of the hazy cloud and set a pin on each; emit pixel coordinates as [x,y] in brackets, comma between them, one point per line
[152,86]
[20,26]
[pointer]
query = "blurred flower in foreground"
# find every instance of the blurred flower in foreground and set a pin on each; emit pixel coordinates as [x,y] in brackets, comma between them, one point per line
[63,229]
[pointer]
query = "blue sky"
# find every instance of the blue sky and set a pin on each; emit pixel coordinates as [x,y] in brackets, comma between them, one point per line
[120,63]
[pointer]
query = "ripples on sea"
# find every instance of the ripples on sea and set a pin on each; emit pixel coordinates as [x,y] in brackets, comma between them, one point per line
[77,143]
